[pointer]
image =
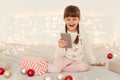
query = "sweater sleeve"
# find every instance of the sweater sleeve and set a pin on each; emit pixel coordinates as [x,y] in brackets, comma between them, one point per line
[59,52]
[87,49]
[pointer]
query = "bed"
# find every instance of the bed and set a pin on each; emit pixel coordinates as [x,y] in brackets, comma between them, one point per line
[95,73]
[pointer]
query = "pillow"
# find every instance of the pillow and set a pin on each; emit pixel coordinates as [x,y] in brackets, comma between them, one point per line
[39,65]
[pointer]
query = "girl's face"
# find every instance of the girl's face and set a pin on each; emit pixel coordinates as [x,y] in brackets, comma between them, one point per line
[72,23]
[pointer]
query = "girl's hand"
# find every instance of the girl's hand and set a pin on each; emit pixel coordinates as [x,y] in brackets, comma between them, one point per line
[98,64]
[62,43]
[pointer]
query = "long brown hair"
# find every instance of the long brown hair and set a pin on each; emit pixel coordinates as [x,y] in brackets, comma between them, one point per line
[72,11]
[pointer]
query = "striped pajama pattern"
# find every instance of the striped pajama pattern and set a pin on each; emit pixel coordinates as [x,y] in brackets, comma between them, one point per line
[39,65]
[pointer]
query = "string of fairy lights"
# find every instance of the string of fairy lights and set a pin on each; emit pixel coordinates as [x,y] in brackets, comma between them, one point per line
[33,29]
[45,28]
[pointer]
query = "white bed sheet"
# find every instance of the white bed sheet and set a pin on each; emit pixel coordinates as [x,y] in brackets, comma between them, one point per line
[95,73]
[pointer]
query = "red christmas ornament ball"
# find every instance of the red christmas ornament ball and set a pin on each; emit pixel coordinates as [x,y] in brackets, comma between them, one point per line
[30,72]
[110,56]
[68,77]
[2,70]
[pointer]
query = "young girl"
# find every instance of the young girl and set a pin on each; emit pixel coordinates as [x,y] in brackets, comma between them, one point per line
[70,59]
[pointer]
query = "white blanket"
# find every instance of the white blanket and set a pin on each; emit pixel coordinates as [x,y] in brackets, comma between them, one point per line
[95,73]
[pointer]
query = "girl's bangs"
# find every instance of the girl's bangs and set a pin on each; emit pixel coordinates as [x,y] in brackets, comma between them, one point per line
[71,15]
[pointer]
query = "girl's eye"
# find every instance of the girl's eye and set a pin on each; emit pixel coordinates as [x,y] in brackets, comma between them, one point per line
[68,19]
[74,19]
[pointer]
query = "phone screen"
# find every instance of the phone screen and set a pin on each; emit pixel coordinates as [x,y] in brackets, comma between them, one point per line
[67,37]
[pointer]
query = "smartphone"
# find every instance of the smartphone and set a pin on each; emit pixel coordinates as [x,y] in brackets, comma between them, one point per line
[67,37]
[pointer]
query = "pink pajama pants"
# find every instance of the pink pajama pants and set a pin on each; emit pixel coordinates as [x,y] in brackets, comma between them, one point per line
[64,64]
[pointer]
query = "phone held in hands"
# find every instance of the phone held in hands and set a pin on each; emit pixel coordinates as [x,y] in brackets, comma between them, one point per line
[67,37]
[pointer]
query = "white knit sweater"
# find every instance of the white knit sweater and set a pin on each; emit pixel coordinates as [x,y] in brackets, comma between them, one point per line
[77,52]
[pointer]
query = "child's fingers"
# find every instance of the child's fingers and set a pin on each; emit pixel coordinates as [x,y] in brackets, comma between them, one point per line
[95,64]
[65,43]
[62,43]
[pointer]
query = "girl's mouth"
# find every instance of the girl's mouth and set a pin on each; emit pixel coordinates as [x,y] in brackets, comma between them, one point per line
[72,25]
